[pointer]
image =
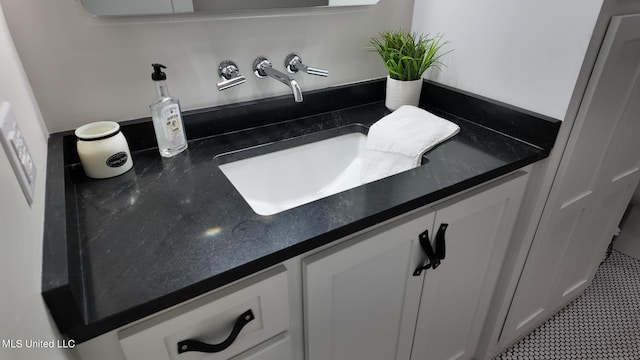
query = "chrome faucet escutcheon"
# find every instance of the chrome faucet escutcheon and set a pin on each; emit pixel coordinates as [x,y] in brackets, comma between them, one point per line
[262,68]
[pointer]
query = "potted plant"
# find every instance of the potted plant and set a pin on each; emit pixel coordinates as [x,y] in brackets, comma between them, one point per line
[407,56]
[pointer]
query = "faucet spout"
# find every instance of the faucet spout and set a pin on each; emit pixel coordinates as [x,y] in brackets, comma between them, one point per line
[297,91]
[262,68]
[285,79]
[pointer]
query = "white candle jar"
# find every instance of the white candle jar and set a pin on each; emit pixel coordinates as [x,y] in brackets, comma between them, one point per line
[103,150]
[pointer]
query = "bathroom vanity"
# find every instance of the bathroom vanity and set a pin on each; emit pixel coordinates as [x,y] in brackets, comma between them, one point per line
[169,260]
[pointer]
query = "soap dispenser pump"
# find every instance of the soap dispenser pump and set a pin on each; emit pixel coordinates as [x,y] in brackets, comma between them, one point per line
[167,117]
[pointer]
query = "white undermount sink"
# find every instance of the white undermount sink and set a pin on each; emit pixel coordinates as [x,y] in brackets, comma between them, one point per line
[280,176]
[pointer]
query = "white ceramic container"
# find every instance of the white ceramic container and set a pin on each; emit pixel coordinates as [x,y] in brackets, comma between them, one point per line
[402,93]
[103,150]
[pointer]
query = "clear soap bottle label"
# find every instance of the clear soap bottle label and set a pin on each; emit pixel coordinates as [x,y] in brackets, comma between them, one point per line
[173,125]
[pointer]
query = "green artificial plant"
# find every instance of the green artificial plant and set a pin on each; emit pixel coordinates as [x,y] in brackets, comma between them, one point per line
[408,55]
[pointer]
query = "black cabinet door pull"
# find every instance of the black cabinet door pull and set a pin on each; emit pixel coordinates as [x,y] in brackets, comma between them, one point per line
[433,256]
[440,245]
[195,345]
[425,244]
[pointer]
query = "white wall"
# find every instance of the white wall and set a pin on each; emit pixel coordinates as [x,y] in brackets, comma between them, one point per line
[525,53]
[84,68]
[23,315]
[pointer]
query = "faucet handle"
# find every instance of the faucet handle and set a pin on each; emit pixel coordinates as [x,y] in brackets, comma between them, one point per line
[228,72]
[259,64]
[293,63]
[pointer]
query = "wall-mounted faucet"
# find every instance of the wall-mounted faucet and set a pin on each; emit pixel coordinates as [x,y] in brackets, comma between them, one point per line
[228,72]
[293,63]
[262,68]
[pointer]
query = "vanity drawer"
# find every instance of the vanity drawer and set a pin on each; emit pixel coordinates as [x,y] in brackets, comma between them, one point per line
[278,348]
[212,319]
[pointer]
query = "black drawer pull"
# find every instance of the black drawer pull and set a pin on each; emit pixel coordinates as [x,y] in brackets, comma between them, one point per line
[195,345]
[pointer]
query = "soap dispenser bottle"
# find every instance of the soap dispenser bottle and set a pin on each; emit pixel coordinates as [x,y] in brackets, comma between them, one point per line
[166,116]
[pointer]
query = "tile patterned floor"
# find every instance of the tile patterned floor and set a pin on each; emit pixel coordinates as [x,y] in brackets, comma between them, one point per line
[601,324]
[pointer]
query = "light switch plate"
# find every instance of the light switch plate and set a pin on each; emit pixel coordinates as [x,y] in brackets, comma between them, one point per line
[17,151]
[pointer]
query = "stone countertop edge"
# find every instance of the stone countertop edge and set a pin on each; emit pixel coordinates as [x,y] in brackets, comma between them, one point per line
[63,288]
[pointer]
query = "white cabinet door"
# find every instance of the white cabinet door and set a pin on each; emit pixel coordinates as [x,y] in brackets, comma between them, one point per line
[456,295]
[361,299]
[593,186]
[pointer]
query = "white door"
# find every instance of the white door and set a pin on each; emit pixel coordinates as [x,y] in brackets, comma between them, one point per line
[456,295]
[620,173]
[361,298]
[593,185]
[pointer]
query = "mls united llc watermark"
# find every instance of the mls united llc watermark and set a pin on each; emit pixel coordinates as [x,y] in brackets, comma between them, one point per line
[37,344]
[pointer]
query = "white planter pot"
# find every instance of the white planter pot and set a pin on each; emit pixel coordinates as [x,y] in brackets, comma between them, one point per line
[402,93]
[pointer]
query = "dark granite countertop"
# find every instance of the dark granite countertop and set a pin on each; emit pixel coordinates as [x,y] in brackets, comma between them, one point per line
[120,249]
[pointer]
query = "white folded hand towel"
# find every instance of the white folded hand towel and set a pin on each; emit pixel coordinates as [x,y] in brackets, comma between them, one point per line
[397,142]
